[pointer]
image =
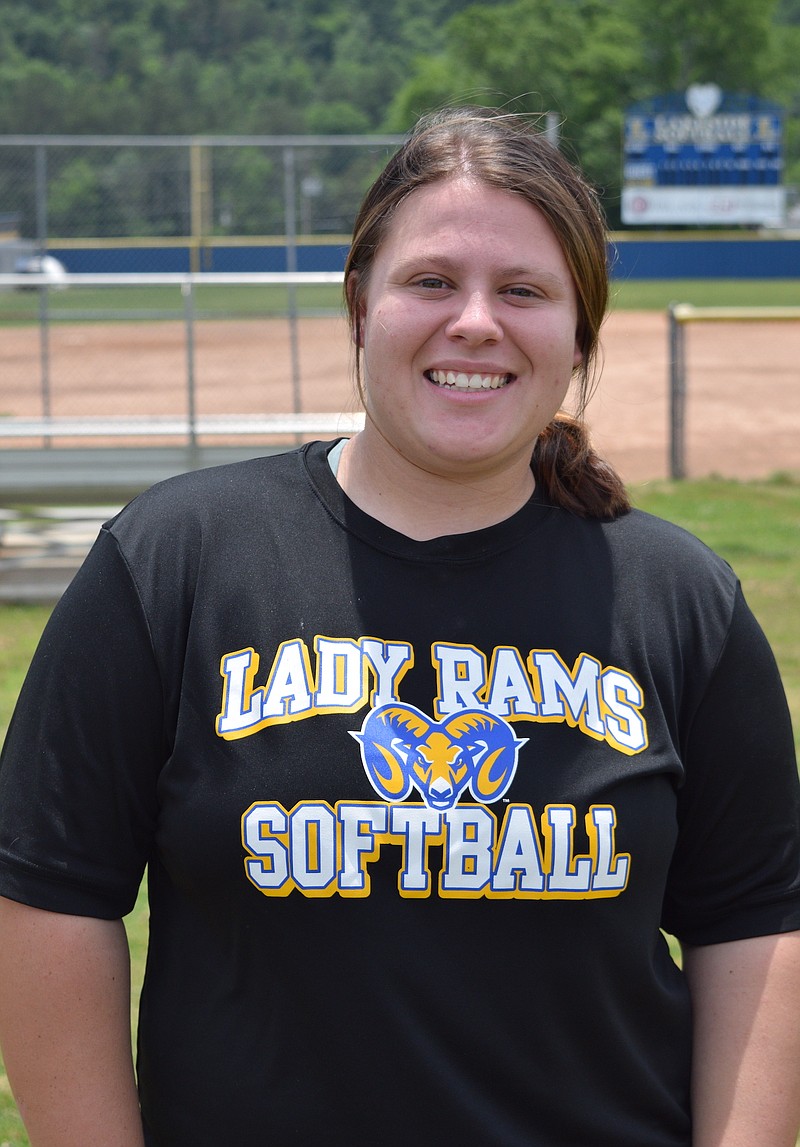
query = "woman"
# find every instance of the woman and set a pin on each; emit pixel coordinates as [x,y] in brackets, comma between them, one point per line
[422,743]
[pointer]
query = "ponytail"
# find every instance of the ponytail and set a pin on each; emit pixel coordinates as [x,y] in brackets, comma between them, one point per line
[573,475]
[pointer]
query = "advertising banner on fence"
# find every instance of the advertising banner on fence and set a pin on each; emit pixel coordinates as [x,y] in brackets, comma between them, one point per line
[703,157]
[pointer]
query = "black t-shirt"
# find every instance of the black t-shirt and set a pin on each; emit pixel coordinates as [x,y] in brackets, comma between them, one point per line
[414,812]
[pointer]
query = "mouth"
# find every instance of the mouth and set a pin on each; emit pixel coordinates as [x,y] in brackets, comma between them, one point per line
[460,380]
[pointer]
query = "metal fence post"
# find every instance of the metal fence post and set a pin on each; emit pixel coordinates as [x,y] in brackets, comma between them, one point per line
[187,290]
[677,395]
[290,220]
[44,298]
[199,204]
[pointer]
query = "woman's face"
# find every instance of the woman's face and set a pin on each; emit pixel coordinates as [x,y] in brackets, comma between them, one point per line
[468,328]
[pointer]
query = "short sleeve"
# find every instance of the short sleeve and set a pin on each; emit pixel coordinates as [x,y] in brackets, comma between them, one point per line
[80,764]
[736,868]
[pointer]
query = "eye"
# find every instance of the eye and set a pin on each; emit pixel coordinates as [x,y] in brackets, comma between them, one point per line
[430,283]
[520,292]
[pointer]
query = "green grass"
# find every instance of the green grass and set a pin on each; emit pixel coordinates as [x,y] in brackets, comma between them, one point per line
[224,301]
[756,526]
[649,295]
[148,302]
[20,628]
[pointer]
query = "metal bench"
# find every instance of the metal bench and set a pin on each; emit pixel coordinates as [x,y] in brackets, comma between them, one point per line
[54,471]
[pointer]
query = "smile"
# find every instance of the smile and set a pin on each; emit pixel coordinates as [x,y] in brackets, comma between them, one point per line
[459,380]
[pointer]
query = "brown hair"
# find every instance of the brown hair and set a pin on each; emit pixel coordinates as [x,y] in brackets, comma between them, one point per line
[510,153]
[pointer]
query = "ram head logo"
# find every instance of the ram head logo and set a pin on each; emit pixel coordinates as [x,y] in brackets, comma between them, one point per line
[402,748]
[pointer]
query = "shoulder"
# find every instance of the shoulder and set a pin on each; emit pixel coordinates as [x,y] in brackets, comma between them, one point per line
[212,501]
[669,581]
[212,487]
[654,544]
[209,521]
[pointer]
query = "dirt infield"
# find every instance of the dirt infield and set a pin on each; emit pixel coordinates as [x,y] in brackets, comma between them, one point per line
[743,382]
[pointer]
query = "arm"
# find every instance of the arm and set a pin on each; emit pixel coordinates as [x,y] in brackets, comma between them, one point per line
[65,1027]
[746,1073]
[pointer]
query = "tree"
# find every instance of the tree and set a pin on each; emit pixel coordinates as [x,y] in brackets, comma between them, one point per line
[352,66]
[581,60]
[588,60]
[729,42]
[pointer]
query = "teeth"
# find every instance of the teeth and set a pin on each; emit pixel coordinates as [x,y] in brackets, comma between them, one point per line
[461,381]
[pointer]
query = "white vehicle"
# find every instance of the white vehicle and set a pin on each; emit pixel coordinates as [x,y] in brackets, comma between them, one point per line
[42,265]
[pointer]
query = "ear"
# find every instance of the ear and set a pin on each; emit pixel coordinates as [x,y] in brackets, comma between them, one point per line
[355,307]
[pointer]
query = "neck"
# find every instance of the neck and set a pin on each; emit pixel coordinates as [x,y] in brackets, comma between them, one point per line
[424,505]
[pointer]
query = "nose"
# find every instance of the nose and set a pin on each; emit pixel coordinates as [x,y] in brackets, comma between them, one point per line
[475,318]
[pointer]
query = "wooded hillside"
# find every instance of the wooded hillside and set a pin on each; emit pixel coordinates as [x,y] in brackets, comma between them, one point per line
[355,66]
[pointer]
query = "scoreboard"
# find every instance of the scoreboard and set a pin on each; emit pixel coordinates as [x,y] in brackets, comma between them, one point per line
[703,157]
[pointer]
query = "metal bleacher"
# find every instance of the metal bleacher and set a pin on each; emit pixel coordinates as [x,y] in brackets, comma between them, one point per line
[54,471]
[61,460]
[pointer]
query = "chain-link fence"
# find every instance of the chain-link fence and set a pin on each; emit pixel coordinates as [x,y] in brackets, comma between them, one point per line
[182,205]
[220,340]
[202,191]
